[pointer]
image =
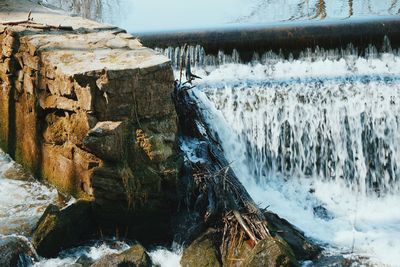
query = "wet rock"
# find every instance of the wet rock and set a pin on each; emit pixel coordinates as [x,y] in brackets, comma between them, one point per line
[303,248]
[203,252]
[337,260]
[321,212]
[187,226]
[271,252]
[84,261]
[60,229]
[15,251]
[136,256]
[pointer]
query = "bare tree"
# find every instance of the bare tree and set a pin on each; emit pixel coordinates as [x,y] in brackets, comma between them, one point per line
[350,8]
[320,9]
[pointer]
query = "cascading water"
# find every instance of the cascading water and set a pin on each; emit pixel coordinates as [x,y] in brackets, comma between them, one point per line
[317,140]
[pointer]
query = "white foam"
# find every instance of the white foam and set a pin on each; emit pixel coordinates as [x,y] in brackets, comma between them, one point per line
[93,252]
[166,258]
[21,202]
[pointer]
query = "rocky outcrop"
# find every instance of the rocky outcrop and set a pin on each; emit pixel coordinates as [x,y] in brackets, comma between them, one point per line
[204,251]
[135,256]
[61,229]
[271,252]
[89,110]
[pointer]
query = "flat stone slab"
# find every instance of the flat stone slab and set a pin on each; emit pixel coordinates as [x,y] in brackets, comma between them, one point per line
[90,47]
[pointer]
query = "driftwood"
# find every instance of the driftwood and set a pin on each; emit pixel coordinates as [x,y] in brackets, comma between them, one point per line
[213,189]
[30,24]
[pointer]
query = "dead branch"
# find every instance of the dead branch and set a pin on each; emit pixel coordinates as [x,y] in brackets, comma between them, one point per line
[244,226]
[30,24]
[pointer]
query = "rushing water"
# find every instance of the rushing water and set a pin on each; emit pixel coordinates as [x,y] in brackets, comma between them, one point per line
[317,140]
[22,199]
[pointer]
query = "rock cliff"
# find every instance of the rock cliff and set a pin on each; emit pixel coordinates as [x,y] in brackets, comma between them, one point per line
[89,110]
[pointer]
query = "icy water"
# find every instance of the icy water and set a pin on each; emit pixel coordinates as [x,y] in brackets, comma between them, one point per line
[317,141]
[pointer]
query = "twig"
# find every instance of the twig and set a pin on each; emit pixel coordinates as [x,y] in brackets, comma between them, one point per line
[244,226]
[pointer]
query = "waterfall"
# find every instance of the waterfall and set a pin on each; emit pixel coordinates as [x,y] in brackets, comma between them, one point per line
[338,128]
[326,115]
[316,139]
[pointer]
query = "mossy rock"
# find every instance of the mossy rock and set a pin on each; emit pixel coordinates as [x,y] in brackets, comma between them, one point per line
[271,252]
[303,248]
[135,256]
[60,229]
[203,252]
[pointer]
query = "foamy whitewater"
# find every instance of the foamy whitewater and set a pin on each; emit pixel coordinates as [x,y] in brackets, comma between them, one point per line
[96,250]
[22,199]
[317,141]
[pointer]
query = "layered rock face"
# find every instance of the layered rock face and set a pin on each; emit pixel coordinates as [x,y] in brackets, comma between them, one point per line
[90,111]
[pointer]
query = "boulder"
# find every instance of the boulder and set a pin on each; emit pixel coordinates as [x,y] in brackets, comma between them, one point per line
[107,140]
[15,251]
[271,252]
[203,252]
[60,229]
[303,248]
[135,256]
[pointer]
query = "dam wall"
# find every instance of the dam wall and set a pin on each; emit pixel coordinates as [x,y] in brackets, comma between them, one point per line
[290,38]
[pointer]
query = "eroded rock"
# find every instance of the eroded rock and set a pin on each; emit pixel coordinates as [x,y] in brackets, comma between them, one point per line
[203,252]
[135,256]
[271,252]
[108,140]
[60,229]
